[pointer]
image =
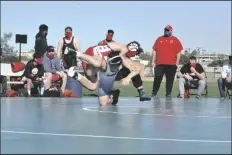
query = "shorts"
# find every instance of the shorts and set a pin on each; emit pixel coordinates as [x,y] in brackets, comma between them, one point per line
[106,84]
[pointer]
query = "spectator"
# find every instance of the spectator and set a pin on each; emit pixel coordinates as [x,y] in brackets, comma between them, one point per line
[41,39]
[166,57]
[124,72]
[33,72]
[67,48]
[225,79]
[109,38]
[191,73]
[53,66]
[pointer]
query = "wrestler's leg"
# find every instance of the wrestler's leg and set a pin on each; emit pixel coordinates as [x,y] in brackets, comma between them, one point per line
[105,92]
[89,82]
[105,98]
[95,60]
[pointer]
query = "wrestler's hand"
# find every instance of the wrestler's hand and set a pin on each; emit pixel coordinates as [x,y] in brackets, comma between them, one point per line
[78,54]
[125,81]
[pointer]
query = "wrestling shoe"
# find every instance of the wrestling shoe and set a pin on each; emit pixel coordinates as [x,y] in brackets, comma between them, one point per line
[72,72]
[143,96]
[115,94]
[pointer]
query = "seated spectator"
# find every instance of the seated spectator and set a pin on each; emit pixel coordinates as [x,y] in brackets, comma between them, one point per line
[33,72]
[53,66]
[225,79]
[191,73]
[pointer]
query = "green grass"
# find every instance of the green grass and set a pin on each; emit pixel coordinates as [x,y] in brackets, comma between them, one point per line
[130,91]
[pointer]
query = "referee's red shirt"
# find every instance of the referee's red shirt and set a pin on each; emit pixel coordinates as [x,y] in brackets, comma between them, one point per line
[167,49]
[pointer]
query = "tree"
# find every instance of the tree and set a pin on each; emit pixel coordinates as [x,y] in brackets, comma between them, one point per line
[5,47]
[184,59]
[145,56]
[32,51]
[216,63]
[195,52]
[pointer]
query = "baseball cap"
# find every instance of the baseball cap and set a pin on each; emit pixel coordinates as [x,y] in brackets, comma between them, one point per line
[50,49]
[110,31]
[168,27]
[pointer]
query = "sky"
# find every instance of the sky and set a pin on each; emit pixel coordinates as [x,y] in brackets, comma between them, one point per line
[196,24]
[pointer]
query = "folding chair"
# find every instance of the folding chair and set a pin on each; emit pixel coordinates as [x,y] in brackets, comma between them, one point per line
[3,86]
[195,87]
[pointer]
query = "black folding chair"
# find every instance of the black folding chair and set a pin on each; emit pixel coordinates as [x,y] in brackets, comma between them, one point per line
[229,91]
[194,86]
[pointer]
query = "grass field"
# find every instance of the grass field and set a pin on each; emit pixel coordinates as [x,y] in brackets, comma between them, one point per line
[130,91]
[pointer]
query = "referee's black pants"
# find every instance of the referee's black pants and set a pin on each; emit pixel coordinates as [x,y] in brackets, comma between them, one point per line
[169,71]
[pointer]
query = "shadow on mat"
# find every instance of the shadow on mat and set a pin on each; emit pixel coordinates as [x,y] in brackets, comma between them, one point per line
[90,94]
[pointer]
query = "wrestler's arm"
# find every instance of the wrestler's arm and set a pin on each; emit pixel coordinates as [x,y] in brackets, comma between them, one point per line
[118,47]
[59,48]
[134,68]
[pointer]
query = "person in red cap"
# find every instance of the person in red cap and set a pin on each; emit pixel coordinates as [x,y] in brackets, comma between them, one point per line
[166,57]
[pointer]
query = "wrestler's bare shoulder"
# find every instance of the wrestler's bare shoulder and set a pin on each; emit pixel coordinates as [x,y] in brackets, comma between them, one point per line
[116,46]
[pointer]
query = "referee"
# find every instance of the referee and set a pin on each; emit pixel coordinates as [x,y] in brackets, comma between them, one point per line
[165,58]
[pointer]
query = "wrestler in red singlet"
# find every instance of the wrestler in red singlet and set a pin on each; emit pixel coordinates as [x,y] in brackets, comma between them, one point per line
[100,50]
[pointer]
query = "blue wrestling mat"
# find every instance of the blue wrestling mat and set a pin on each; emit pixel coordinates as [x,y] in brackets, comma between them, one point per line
[40,125]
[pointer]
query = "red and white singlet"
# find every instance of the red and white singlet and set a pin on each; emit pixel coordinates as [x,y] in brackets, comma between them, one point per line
[101,50]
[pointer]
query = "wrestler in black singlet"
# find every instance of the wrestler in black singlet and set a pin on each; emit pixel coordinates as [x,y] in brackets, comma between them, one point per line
[69,54]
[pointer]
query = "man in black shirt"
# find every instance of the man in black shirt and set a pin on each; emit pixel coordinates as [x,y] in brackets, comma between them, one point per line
[34,71]
[191,73]
[41,39]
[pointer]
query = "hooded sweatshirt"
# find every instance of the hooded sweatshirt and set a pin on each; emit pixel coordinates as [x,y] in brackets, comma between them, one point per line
[40,43]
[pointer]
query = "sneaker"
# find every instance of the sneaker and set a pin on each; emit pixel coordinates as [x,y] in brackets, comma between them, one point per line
[198,96]
[115,94]
[154,96]
[180,96]
[168,96]
[143,96]
[71,71]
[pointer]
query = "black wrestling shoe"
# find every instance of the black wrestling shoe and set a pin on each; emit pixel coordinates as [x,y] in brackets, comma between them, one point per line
[115,94]
[75,76]
[143,96]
